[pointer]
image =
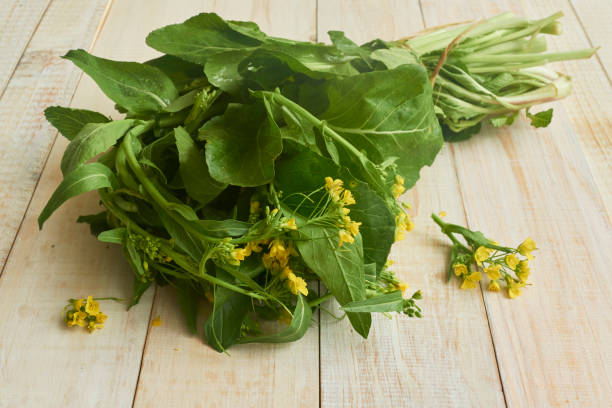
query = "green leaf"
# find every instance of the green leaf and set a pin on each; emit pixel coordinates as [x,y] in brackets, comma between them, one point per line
[504,120]
[224,228]
[222,328]
[302,315]
[70,121]
[242,145]
[389,302]
[180,72]
[340,268]
[114,236]
[394,57]
[97,222]
[188,298]
[540,119]
[183,239]
[139,88]
[300,171]
[88,177]
[203,36]
[93,139]
[465,134]
[222,70]
[387,114]
[139,288]
[194,170]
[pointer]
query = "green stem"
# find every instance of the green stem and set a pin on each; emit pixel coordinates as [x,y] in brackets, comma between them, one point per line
[320,300]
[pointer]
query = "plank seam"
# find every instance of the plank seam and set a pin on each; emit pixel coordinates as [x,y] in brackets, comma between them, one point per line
[586,34]
[144,347]
[484,303]
[46,159]
[25,48]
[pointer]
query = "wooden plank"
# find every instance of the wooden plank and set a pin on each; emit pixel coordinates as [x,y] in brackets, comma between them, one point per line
[446,358]
[18,21]
[40,80]
[43,363]
[178,368]
[553,343]
[592,16]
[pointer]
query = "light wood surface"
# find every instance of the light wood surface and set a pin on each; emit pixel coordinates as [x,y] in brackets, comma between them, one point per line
[551,347]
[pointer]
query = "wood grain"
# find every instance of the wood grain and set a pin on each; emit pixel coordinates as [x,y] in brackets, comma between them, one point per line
[552,343]
[41,79]
[446,358]
[18,21]
[178,368]
[592,18]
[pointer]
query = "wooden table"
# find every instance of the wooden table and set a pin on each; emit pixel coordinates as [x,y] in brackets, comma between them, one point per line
[551,347]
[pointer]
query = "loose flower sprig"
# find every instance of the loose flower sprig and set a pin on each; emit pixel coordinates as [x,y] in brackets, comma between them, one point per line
[482,255]
[85,313]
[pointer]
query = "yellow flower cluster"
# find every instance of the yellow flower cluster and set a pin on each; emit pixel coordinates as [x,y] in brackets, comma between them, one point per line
[495,268]
[85,313]
[276,260]
[398,188]
[343,197]
[239,254]
[403,223]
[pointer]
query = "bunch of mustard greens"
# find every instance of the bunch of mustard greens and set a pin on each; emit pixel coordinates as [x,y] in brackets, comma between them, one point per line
[262,173]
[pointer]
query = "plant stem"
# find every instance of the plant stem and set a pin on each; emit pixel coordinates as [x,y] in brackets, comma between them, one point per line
[320,300]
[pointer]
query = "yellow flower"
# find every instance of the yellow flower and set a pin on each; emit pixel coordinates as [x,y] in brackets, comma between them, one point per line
[397,190]
[460,269]
[101,318]
[493,271]
[77,319]
[345,211]
[254,208]
[93,326]
[157,321]
[399,235]
[91,306]
[286,272]
[334,187]
[494,286]
[78,304]
[471,280]
[347,198]
[399,179]
[297,285]
[523,271]
[514,288]
[255,246]
[512,261]
[290,225]
[274,211]
[402,286]
[277,248]
[345,237]
[240,253]
[389,263]
[353,227]
[482,254]
[527,247]
[442,214]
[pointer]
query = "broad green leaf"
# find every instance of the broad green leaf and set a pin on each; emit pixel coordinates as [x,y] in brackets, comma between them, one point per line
[386,114]
[300,322]
[114,236]
[97,222]
[222,328]
[188,298]
[340,268]
[194,170]
[183,239]
[389,302]
[139,88]
[540,119]
[222,70]
[465,134]
[93,139]
[225,228]
[203,36]
[394,57]
[242,145]
[180,72]
[139,288]
[88,177]
[70,121]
